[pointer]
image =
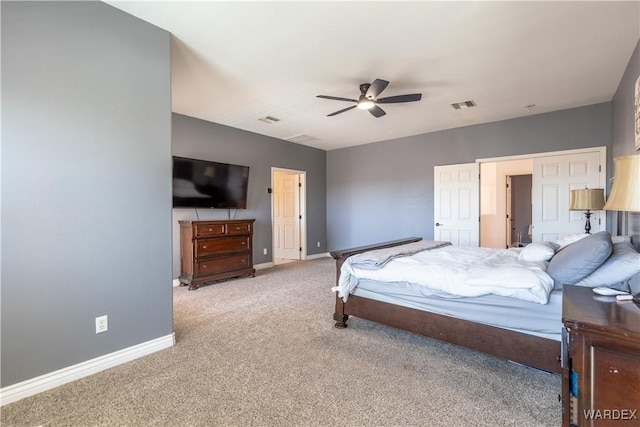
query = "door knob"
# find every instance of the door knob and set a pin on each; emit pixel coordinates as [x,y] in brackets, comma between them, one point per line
[438,224]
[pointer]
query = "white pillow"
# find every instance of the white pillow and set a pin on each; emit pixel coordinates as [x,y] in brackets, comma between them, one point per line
[538,251]
[568,239]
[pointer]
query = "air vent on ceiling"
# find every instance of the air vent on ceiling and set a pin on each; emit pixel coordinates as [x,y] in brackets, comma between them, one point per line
[269,119]
[300,138]
[463,104]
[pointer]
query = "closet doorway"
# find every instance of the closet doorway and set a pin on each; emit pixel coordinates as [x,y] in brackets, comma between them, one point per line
[519,209]
[496,201]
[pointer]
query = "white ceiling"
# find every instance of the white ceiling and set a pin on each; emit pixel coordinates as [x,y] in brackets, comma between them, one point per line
[235,62]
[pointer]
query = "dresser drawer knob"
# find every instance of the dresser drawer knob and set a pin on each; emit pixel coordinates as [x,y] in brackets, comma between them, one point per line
[204,266]
[613,370]
[237,228]
[244,243]
[204,247]
[211,229]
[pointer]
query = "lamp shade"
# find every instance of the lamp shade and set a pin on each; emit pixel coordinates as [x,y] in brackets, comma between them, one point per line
[586,199]
[625,192]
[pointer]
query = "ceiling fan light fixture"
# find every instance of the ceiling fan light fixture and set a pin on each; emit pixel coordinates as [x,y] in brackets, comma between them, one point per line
[365,103]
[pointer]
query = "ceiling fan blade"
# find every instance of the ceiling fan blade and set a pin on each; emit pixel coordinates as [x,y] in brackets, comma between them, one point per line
[377,111]
[342,111]
[336,98]
[400,98]
[376,88]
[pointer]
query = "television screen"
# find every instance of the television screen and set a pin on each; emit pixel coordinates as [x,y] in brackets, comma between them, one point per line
[206,184]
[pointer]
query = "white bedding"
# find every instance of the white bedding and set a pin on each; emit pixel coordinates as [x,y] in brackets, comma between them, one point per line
[454,272]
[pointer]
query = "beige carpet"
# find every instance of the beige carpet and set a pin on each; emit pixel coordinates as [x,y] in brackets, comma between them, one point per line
[263,351]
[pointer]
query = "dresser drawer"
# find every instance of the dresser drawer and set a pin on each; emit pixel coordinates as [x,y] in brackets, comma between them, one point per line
[617,375]
[221,265]
[205,230]
[206,247]
[238,228]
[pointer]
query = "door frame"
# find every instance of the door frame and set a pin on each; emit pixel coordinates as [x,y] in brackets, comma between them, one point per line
[602,150]
[302,175]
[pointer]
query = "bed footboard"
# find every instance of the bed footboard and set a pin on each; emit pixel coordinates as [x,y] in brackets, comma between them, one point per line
[340,256]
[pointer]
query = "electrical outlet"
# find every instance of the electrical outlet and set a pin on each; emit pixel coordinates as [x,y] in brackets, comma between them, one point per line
[318,244]
[264,251]
[102,324]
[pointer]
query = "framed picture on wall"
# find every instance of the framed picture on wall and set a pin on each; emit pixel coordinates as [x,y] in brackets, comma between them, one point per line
[636,122]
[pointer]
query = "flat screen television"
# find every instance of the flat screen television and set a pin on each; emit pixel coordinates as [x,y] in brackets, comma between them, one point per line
[207,184]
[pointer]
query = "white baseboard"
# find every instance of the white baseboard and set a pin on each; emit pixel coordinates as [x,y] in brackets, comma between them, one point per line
[263,265]
[54,379]
[307,258]
[270,264]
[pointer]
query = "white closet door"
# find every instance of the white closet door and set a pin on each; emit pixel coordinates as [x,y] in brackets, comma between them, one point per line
[553,178]
[286,215]
[457,204]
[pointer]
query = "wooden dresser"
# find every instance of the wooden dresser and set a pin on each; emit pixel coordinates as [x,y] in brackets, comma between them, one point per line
[601,378]
[214,250]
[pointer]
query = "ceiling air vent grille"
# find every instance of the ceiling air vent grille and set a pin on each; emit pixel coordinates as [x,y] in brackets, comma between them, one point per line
[300,138]
[463,104]
[269,119]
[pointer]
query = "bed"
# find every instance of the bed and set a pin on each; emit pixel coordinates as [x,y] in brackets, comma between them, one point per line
[482,322]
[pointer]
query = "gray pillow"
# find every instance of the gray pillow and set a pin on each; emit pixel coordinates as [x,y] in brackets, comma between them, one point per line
[621,266]
[578,260]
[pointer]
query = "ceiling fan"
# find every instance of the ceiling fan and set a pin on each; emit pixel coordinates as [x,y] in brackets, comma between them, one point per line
[369,100]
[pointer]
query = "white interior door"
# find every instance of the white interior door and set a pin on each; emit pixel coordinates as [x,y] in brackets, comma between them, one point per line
[553,178]
[456,204]
[286,215]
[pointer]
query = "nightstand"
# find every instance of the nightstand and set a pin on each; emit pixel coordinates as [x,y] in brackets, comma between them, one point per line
[601,376]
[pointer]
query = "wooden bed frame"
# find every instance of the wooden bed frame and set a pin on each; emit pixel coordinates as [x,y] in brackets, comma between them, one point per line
[522,348]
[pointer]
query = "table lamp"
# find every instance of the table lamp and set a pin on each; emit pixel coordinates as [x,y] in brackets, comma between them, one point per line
[625,191]
[587,199]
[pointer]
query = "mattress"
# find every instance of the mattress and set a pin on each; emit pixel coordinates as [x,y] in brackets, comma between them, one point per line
[543,320]
[453,272]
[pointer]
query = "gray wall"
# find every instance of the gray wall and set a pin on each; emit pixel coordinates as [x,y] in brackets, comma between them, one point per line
[200,139]
[623,109]
[384,191]
[86,196]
